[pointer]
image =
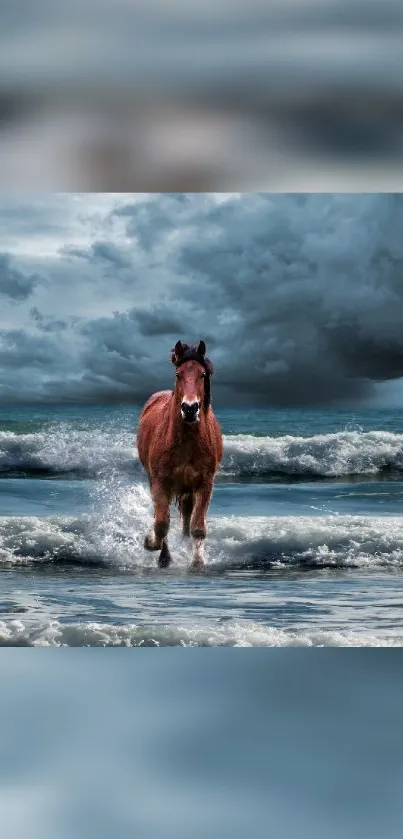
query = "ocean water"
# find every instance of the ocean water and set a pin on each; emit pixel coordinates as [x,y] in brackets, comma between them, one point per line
[304,547]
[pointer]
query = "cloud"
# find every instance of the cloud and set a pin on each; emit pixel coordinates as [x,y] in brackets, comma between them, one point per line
[311,289]
[47,324]
[299,297]
[157,321]
[102,253]
[13,283]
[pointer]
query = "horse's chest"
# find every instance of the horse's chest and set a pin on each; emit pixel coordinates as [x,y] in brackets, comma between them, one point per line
[185,476]
[187,465]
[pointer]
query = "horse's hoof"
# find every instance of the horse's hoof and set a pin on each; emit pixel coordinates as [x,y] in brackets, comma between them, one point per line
[198,552]
[149,543]
[164,558]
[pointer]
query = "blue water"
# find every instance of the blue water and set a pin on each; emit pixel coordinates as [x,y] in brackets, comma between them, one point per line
[305,533]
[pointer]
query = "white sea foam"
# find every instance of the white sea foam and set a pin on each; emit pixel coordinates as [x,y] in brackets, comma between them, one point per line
[323,455]
[231,634]
[65,449]
[114,533]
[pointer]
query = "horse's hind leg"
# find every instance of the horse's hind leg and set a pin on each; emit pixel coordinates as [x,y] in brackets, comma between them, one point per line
[186,509]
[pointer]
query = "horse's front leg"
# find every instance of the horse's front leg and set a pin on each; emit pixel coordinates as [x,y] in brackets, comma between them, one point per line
[198,527]
[157,539]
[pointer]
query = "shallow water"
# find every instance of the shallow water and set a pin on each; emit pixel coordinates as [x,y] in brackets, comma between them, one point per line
[305,542]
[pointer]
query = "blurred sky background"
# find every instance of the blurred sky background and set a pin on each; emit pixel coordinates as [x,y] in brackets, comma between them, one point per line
[144,95]
[298,297]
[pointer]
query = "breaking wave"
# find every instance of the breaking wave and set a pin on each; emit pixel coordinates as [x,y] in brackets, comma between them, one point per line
[341,454]
[113,536]
[232,634]
[66,450]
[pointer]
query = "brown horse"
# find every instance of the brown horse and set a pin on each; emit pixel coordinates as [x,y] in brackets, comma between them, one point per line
[180,446]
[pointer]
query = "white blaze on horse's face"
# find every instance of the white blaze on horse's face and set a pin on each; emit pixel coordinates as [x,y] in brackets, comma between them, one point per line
[190,386]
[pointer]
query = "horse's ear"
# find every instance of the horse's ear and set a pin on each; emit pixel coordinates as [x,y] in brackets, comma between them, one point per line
[201,349]
[178,351]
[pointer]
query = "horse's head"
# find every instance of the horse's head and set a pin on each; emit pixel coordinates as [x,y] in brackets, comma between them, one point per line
[193,371]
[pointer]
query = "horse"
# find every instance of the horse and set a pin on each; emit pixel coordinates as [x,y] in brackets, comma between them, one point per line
[180,446]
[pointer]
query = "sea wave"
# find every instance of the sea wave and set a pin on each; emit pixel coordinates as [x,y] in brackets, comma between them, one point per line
[114,538]
[89,453]
[66,451]
[341,454]
[232,634]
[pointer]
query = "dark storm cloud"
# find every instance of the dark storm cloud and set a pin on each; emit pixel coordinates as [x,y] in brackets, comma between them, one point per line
[114,334]
[103,259]
[46,323]
[26,362]
[19,349]
[109,253]
[305,293]
[148,221]
[100,252]
[298,297]
[13,283]
[116,364]
[157,321]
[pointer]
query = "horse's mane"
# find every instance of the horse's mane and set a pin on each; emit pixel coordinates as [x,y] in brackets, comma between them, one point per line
[193,354]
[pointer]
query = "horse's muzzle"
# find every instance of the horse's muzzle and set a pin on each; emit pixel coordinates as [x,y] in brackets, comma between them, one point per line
[190,411]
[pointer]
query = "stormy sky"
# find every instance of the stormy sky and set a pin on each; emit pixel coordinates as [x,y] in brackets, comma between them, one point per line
[299,298]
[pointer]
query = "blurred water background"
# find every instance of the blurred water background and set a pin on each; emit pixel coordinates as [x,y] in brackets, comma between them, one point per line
[219,743]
